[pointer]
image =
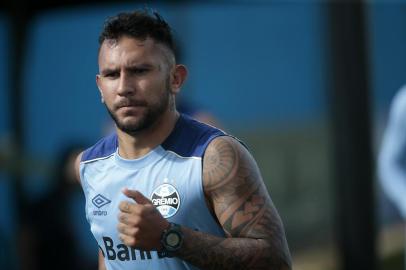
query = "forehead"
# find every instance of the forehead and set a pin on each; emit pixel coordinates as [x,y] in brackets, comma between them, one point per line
[129,51]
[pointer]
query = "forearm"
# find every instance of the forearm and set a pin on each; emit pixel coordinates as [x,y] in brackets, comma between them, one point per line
[102,266]
[210,252]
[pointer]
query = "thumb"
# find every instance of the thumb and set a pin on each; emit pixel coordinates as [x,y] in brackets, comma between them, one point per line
[136,196]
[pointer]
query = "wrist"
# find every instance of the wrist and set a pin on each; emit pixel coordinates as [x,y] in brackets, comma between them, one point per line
[172,239]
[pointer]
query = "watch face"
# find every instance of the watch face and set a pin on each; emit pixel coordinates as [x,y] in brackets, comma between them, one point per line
[172,239]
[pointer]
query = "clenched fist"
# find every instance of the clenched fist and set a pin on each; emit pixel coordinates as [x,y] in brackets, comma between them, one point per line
[140,223]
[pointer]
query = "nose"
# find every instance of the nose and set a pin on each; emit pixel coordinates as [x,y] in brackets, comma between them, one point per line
[125,86]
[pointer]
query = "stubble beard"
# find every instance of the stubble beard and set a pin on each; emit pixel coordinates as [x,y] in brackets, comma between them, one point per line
[147,119]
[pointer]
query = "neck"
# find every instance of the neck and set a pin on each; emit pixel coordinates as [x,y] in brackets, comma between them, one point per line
[132,146]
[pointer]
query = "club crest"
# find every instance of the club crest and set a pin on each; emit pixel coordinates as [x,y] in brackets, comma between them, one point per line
[166,199]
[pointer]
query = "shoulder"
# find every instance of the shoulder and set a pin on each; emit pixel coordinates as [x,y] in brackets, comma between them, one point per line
[103,148]
[226,147]
[226,159]
[190,137]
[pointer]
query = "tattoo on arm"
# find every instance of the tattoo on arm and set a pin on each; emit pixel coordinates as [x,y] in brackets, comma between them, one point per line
[239,198]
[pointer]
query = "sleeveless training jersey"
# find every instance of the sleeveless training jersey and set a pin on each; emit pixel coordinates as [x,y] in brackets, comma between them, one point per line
[170,175]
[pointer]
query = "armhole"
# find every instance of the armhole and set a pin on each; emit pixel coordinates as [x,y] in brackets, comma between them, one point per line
[202,191]
[77,167]
[82,182]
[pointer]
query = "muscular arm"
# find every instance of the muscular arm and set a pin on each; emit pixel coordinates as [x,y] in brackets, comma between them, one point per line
[239,199]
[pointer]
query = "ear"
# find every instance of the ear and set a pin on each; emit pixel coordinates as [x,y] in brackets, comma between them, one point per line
[178,78]
[99,87]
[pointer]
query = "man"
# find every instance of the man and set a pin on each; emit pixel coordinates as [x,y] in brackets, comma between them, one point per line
[166,191]
[392,166]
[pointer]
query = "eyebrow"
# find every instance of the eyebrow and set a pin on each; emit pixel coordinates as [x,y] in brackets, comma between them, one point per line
[142,65]
[132,66]
[108,70]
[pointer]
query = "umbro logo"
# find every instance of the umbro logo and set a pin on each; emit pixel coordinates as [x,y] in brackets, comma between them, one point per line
[99,201]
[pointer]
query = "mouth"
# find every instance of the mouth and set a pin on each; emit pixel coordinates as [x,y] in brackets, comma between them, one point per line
[130,110]
[130,105]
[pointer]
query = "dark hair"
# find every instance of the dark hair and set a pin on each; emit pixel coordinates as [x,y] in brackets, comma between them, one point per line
[139,24]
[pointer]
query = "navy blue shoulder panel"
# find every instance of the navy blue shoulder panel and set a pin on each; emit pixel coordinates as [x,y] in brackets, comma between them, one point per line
[190,138]
[103,148]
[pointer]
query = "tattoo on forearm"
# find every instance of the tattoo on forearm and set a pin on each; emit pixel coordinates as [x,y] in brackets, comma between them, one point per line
[234,187]
[211,252]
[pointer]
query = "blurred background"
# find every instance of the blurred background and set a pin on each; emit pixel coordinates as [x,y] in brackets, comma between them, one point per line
[306,84]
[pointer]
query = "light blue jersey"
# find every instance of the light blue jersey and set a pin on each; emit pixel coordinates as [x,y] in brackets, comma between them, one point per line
[170,175]
[392,158]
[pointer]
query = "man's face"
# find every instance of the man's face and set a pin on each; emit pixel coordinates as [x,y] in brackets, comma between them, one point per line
[134,81]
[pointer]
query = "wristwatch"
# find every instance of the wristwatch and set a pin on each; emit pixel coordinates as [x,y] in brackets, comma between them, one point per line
[171,239]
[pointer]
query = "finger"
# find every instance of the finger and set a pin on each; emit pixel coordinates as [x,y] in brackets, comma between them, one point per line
[123,218]
[127,230]
[128,240]
[136,196]
[128,219]
[126,207]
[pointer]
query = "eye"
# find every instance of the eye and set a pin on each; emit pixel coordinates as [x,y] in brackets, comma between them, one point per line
[139,71]
[112,75]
